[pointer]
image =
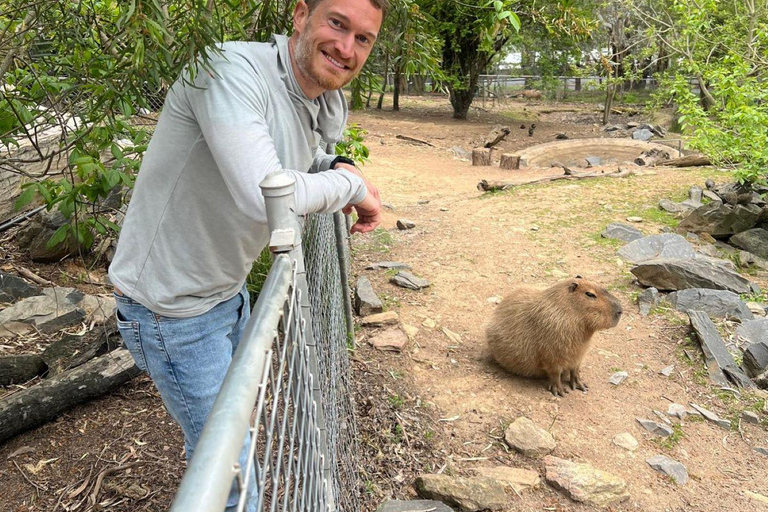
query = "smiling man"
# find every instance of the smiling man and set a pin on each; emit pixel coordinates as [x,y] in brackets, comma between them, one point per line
[196,221]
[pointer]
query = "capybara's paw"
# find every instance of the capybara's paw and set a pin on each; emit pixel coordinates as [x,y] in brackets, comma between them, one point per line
[576,382]
[557,388]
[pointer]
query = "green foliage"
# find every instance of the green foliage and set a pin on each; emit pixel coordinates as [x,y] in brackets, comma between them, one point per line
[351,145]
[258,274]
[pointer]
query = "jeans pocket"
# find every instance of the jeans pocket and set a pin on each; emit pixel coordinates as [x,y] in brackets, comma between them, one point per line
[129,331]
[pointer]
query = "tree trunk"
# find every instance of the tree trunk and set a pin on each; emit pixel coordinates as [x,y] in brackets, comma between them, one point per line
[384,84]
[481,156]
[577,87]
[509,161]
[610,92]
[396,91]
[460,101]
[41,403]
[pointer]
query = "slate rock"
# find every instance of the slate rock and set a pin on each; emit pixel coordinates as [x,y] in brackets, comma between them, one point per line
[366,300]
[50,312]
[712,196]
[518,479]
[594,161]
[584,483]
[750,417]
[413,506]
[388,265]
[621,232]
[626,441]
[379,319]
[762,451]
[753,331]
[403,224]
[677,411]
[612,128]
[716,303]
[757,309]
[618,377]
[643,134]
[680,274]
[13,288]
[756,358]
[407,280]
[673,207]
[35,235]
[392,340]
[528,438]
[648,300]
[655,428]
[469,494]
[752,240]
[666,245]
[711,416]
[721,220]
[669,467]
[99,309]
[720,363]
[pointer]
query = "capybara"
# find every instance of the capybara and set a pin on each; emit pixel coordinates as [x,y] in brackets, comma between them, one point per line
[538,333]
[531,94]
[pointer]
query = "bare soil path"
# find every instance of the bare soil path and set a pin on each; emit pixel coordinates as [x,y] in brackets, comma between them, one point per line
[473,247]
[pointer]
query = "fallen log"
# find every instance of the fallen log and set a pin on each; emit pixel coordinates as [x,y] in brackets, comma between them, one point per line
[653,157]
[43,402]
[414,140]
[498,135]
[492,186]
[21,368]
[688,161]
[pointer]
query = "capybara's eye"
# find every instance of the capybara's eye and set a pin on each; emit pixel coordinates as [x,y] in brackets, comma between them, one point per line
[591,295]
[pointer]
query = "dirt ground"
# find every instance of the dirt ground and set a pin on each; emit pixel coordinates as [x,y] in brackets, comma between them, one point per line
[442,405]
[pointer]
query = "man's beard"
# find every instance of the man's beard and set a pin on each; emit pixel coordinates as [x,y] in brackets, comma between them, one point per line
[304,53]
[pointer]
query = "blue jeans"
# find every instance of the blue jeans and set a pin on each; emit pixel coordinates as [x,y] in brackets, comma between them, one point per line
[187,359]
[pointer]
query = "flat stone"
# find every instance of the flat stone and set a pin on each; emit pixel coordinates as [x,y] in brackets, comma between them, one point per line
[626,440]
[721,220]
[669,467]
[655,428]
[634,219]
[761,450]
[618,377]
[594,161]
[388,265]
[50,312]
[666,245]
[667,370]
[662,417]
[677,411]
[452,336]
[756,358]
[643,134]
[750,417]
[582,482]
[413,506]
[753,331]
[712,196]
[403,224]
[753,240]
[13,288]
[518,479]
[621,232]
[528,438]
[670,206]
[410,281]
[366,300]
[648,300]
[679,274]
[469,494]
[392,340]
[99,309]
[612,128]
[711,416]
[387,318]
[720,363]
[716,303]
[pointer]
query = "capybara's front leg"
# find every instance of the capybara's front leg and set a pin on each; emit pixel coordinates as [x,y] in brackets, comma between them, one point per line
[575,380]
[555,384]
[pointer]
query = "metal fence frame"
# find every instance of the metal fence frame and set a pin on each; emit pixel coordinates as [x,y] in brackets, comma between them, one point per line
[280,324]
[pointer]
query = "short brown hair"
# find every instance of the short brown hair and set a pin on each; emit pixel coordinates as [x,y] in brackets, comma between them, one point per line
[382,5]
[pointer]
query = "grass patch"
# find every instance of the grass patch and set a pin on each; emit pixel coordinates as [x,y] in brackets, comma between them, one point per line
[258,274]
[674,439]
[379,240]
[396,401]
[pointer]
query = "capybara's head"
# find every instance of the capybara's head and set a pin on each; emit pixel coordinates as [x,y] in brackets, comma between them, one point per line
[597,306]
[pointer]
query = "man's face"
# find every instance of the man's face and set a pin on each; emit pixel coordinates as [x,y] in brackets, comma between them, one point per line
[332,43]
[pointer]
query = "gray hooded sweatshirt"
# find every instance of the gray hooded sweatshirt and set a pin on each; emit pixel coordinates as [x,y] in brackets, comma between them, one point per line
[196,221]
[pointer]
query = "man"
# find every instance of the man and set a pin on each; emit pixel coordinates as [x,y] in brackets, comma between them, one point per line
[196,221]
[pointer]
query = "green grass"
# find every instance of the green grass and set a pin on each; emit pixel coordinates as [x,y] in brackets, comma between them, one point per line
[379,240]
[258,274]
[674,439]
[396,401]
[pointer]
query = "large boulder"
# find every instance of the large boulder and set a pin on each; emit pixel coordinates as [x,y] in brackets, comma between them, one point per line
[666,245]
[752,240]
[581,482]
[469,494]
[35,236]
[13,288]
[680,274]
[721,220]
[716,303]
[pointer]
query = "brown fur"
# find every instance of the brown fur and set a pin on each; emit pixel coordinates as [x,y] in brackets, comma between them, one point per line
[538,333]
[531,94]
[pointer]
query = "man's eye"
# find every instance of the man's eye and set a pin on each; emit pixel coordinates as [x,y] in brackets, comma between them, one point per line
[335,22]
[362,39]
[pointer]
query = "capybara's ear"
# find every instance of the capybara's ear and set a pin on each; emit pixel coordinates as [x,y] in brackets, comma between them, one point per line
[573,287]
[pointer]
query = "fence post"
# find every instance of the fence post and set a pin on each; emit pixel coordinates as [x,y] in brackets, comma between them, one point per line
[278,191]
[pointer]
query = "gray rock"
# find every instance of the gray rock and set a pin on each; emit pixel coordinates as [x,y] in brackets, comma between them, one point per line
[750,417]
[469,494]
[621,232]
[669,467]
[413,506]
[756,358]
[612,128]
[666,245]
[403,224]
[13,288]
[712,196]
[711,416]
[366,300]
[721,220]
[410,281]
[388,265]
[54,310]
[594,161]
[720,363]
[667,370]
[643,134]
[35,235]
[753,331]
[761,450]
[677,411]
[680,274]
[673,207]
[618,377]
[648,300]
[716,303]
[694,197]
[752,240]
[762,380]
[528,438]
[584,483]
[655,428]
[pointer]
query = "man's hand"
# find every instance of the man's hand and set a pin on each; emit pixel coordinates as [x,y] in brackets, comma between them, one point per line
[369,209]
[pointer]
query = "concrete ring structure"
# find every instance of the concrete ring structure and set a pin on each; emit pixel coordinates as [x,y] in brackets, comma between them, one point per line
[574,152]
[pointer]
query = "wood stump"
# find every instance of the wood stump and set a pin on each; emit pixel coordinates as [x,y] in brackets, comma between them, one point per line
[509,161]
[481,156]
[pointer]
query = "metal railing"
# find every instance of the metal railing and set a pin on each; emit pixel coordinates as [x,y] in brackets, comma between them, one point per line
[271,392]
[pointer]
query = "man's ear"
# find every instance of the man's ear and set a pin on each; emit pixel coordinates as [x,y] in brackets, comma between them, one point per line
[300,16]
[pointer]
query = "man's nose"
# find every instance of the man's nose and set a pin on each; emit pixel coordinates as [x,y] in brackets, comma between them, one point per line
[345,45]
